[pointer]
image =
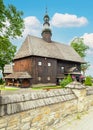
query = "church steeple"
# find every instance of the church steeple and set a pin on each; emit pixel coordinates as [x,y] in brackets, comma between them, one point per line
[46,31]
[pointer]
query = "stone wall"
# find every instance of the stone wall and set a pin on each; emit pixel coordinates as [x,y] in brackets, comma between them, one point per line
[42,110]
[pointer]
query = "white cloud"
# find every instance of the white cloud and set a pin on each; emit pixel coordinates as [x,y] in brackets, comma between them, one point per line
[91,66]
[32,26]
[4,29]
[88,39]
[90,52]
[90,70]
[68,20]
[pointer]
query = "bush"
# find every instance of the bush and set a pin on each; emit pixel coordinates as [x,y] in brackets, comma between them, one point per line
[88,81]
[66,81]
[1,81]
[69,78]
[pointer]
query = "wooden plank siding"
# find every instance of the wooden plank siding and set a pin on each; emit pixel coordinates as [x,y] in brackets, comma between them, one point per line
[40,74]
[66,65]
[23,64]
[47,71]
[44,73]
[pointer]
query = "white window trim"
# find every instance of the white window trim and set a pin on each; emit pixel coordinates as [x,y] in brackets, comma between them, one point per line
[39,63]
[49,64]
[48,78]
[62,68]
[39,78]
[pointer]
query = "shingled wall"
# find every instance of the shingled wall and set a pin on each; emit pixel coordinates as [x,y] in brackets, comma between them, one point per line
[41,110]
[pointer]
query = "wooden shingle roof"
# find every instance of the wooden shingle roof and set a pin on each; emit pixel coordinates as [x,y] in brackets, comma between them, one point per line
[34,46]
[18,75]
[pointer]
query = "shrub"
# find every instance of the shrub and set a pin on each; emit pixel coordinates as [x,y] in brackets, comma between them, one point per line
[66,81]
[88,81]
[1,81]
[69,78]
[63,83]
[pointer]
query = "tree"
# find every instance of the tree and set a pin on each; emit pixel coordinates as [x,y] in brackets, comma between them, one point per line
[11,26]
[11,23]
[7,51]
[84,67]
[79,46]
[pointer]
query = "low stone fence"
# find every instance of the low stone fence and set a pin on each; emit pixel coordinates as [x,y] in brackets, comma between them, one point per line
[89,96]
[42,110]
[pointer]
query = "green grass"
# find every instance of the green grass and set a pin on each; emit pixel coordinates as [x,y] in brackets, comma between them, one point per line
[46,87]
[9,88]
[2,87]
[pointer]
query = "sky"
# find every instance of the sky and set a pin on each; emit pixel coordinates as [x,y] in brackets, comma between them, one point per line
[68,18]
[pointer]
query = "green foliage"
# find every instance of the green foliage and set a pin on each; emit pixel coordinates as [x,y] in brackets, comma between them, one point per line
[66,81]
[45,87]
[79,46]
[11,26]
[1,81]
[69,78]
[3,87]
[63,83]
[88,81]
[11,23]
[84,67]
[7,51]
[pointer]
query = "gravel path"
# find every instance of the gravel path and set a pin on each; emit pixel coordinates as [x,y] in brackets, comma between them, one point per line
[80,122]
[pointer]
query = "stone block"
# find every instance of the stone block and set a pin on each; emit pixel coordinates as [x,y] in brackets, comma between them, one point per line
[13,120]
[27,119]
[25,126]
[2,129]
[37,118]
[3,122]
[57,114]
[11,127]
[46,110]
[50,122]
[2,110]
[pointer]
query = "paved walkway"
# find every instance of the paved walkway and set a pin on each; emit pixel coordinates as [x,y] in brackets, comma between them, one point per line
[80,122]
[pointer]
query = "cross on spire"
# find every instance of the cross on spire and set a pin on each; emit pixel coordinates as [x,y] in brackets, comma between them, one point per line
[46,10]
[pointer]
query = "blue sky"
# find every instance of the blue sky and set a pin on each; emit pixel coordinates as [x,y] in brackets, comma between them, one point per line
[68,18]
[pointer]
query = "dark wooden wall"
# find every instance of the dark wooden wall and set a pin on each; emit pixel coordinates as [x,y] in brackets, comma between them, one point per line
[43,73]
[40,74]
[66,65]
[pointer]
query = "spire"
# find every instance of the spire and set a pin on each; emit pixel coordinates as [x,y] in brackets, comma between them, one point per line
[46,31]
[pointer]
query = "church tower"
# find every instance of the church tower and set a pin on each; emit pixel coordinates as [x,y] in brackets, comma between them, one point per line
[46,31]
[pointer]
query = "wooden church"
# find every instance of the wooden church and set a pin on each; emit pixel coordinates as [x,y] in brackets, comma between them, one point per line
[42,60]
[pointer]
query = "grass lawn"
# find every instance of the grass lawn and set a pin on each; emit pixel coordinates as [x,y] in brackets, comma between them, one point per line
[9,88]
[46,87]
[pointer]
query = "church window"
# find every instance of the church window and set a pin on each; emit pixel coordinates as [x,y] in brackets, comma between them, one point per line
[62,69]
[49,64]
[39,78]
[48,78]
[39,63]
